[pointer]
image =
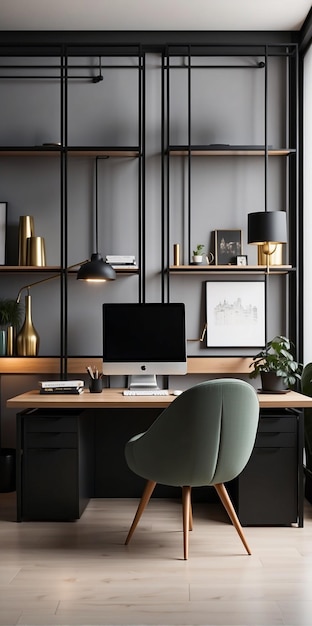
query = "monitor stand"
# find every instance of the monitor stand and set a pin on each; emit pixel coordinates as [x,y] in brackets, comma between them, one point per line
[142,381]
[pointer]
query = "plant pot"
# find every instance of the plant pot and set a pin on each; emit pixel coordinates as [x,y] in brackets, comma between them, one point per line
[271,382]
[197,259]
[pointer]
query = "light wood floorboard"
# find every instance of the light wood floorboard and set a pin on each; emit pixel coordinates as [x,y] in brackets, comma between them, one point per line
[81,573]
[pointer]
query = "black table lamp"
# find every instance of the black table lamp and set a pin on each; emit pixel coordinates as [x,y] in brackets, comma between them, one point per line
[267,229]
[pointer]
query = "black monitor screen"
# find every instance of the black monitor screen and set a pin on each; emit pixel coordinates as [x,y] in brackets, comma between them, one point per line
[144,337]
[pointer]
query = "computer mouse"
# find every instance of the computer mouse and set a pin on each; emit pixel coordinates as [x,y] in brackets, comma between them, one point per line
[176,392]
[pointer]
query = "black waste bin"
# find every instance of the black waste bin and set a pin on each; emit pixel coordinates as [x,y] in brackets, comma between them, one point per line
[7,470]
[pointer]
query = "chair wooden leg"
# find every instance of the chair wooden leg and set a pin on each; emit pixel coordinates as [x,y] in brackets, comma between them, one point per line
[186,504]
[226,501]
[149,488]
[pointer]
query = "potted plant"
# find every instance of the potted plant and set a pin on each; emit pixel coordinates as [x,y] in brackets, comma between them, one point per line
[276,365]
[10,317]
[10,313]
[198,253]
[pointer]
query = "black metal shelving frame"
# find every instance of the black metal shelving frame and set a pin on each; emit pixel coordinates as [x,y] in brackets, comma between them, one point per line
[60,69]
[189,53]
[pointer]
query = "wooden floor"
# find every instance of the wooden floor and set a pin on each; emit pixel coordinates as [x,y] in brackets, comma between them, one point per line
[81,572]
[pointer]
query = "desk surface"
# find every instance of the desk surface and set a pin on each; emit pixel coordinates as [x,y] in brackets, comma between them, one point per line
[113,398]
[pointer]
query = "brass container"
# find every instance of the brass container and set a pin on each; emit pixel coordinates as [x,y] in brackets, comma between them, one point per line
[10,341]
[35,251]
[26,229]
[176,254]
[27,340]
[276,258]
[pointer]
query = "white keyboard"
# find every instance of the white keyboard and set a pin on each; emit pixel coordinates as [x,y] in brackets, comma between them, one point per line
[146,392]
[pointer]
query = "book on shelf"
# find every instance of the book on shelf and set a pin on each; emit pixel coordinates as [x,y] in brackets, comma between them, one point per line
[121,260]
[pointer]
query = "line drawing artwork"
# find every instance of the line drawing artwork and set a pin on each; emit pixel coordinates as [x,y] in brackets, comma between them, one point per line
[235,314]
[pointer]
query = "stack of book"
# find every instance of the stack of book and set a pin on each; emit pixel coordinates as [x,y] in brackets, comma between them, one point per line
[61,386]
[122,261]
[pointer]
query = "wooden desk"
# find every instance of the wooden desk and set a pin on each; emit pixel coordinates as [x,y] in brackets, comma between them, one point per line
[58,444]
[113,399]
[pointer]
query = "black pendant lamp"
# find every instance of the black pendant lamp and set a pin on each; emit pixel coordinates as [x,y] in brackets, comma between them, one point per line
[96,270]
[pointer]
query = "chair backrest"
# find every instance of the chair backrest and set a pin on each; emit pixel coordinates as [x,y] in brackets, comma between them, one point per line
[306,388]
[204,437]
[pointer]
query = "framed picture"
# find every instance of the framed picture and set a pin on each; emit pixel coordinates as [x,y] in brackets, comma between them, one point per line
[228,245]
[242,259]
[3,219]
[235,313]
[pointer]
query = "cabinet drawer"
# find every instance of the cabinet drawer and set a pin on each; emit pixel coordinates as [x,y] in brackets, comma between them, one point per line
[273,439]
[277,424]
[62,424]
[50,440]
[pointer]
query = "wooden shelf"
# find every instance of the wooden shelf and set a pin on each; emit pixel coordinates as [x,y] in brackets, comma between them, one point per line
[24,269]
[227,151]
[53,151]
[47,269]
[229,269]
[77,365]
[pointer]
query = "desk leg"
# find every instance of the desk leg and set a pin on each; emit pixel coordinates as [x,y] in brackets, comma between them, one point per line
[300,468]
[19,419]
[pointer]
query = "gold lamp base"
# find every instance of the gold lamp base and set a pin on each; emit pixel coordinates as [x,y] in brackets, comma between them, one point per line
[265,257]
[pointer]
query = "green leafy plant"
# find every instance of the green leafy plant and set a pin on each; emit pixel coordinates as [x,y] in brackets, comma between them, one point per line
[10,313]
[277,358]
[199,250]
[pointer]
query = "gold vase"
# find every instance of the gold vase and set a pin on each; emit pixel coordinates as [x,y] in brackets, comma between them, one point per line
[26,229]
[35,251]
[27,340]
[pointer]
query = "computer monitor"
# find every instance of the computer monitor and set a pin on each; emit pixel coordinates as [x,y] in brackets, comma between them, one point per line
[143,340]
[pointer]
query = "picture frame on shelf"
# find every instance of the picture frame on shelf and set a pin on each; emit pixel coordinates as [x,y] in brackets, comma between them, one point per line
[3,221]
[235,314]
[228,245]
[242,259]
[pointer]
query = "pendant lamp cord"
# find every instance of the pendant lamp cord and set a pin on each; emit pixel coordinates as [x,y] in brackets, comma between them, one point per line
[97,159]
[96,208]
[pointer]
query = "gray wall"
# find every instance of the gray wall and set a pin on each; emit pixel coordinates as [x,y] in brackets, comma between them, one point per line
[227,107]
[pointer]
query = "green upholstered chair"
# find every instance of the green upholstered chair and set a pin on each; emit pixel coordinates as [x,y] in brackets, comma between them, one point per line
[204,437]
[306,388]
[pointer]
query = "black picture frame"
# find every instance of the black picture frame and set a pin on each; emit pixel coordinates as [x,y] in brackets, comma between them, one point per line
[242,259]
[228,245]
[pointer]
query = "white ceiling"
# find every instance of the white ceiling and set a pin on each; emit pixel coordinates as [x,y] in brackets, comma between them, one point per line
[153,14]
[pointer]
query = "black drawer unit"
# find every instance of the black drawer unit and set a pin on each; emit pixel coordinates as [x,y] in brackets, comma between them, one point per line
[269,491]
[56,464]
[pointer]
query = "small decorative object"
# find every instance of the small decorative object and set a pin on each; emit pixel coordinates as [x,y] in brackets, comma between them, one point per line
[3,217]
[176,254]
[35,251]
[242,259]
[198,254]
[27,340]
[209,258]
[228,245]
[26,229]
[235,313]
[276,365]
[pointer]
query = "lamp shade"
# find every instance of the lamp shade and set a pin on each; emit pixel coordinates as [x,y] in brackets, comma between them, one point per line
[267,226]
[96,270]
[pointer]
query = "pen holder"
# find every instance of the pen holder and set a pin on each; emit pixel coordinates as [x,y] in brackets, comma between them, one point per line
[96,385]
